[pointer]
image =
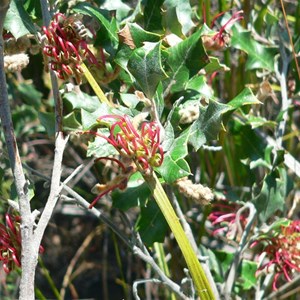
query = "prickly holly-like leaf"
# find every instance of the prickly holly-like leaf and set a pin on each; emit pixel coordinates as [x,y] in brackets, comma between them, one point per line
[17,20]
[215,66]
[185,60]
[151,224]
[248,279]
[174,166]
[145,66]
[152,15]
[48,121]
[208,125]
[272,195]
[178,16]
[259,56]
[246,97]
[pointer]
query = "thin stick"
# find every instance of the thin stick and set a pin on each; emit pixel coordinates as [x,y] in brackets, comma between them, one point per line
[290,38]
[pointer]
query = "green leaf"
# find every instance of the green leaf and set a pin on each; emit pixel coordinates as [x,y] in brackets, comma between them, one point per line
[30,94]
[110,26]
[145,66]
[17,20]
[198,84]
[174,166]
[272,195]
[70,122]
[214,65]
[152,15]
[99,147]
[48,121]
[259,56]
[151,224]
[247,273]
[82,100]
[136,194]
[246,97]
[120,8]
[186,59]
[208,125]
[140,36]
[178,16]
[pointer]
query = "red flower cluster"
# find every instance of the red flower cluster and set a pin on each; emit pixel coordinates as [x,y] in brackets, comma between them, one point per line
[221,39]
[282,247]
[226,219]
[219,36]
[140,146]
[10,243]
[66,46]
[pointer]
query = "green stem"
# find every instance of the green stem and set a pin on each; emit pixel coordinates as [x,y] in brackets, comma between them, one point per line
[201,283]
[95,86]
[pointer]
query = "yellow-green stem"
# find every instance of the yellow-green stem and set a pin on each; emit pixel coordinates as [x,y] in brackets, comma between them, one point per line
[201,283]
[95,86]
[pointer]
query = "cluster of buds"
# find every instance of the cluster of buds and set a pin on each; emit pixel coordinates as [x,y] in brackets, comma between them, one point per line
[66,47]
[282,248]
[227,219]
[139,146]
[221,39]
[197,192]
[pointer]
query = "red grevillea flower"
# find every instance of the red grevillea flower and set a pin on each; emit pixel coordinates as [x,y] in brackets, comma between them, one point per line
[66,47]
[10,243]
[141,146]
[221,39]
[282,248]
[226,219]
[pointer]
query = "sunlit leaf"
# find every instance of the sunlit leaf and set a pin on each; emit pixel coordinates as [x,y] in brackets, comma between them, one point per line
[145,66]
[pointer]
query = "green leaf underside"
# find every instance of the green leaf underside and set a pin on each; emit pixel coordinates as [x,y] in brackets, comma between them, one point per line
[17,20]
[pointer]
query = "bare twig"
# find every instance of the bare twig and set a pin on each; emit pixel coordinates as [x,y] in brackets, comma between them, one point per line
[28,259]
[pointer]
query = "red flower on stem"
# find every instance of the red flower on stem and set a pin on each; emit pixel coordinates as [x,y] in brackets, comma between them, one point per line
[66,46]
[142,146]
[282,248]
[225,217]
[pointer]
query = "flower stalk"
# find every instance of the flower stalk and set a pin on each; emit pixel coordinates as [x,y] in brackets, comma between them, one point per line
[202,285]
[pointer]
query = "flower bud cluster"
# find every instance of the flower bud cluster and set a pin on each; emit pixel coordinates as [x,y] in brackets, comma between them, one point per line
[65,46]
[197,192]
